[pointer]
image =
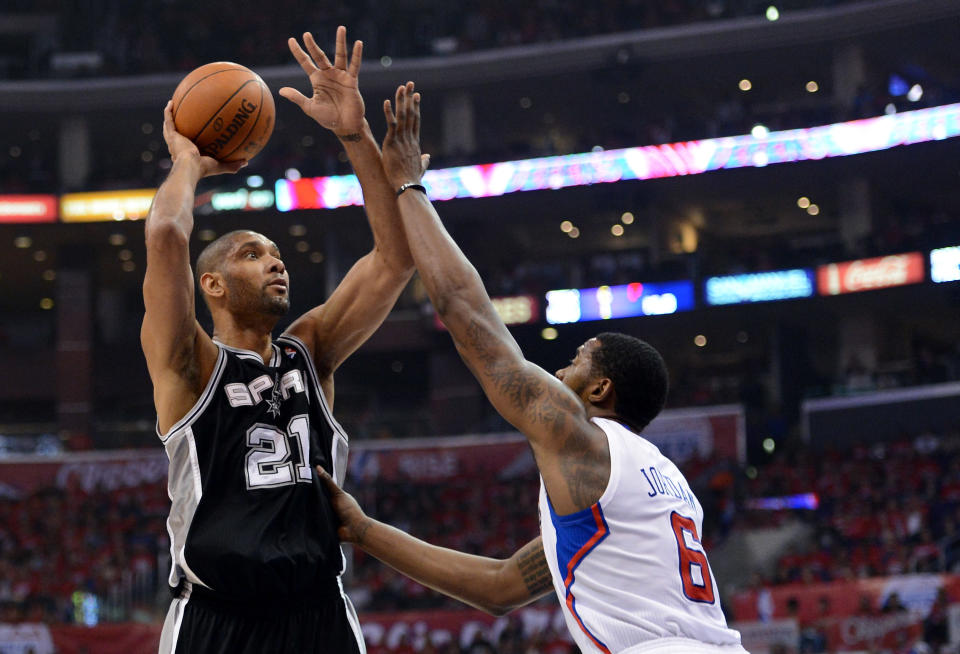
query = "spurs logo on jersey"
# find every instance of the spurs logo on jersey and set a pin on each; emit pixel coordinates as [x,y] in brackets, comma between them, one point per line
[630,571]
[242,477]
[251,393]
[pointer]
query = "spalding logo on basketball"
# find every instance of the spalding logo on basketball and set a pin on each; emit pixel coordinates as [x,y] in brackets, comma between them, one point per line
[226,109]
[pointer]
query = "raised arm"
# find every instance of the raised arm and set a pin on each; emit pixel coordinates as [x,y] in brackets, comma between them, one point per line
[496,586]
[365,296]
[180,356]
[570,451]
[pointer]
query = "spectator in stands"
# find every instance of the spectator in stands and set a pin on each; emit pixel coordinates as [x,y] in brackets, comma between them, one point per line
[935,631]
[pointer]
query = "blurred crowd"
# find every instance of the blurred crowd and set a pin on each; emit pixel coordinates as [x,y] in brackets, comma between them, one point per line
[884,509]
[166,35]
[67,554]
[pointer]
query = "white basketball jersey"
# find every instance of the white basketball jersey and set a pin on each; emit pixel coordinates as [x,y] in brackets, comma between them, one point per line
[630,572]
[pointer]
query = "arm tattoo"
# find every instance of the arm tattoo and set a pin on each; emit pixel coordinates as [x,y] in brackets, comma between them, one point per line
[352,138]
[362,531]
[532,563]
[586,475]
[526,391]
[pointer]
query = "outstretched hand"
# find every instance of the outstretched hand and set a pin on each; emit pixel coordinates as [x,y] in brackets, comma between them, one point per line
[336,102]
[402,159]
[180,146]
[353,521]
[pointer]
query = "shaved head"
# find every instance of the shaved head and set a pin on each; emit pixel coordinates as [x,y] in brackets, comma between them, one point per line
[216,252]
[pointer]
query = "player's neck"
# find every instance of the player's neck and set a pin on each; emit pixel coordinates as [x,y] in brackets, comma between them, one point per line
[599,411]
[255,338]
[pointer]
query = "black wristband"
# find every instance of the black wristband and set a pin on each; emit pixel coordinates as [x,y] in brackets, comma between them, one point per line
[413,185]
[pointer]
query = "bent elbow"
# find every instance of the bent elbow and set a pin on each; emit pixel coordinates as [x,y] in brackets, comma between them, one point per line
[498,610]
[162,234]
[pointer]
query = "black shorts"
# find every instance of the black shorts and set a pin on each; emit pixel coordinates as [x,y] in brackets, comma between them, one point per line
[201,622]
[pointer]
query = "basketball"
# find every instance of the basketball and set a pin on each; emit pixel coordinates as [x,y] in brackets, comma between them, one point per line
[226,109]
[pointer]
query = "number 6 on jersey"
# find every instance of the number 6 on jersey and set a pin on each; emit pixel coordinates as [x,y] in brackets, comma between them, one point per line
[694,569]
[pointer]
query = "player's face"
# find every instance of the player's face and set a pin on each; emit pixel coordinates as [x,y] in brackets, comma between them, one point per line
[256,278]
[579,373]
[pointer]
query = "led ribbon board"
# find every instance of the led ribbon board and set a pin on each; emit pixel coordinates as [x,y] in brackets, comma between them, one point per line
[106,205]
[646,162]
[623,301]
[28,208]
[759,287]
[945,264]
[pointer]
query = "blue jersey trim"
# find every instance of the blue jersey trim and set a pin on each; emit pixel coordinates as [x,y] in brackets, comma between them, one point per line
[578,534]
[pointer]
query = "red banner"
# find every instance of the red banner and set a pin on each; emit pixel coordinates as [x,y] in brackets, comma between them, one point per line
[870,274]
[702,433]
[384,632]
[493,456]
[123,638]
[28,208]
[22,476]
[845,598]
[894,632]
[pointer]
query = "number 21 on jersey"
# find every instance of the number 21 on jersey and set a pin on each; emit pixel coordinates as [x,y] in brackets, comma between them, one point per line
[269,464]
[695,573]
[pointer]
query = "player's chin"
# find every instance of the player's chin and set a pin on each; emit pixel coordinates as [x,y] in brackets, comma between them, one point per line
[278,306]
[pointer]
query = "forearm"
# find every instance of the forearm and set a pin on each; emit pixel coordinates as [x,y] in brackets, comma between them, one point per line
[379,199]
[474,580]
[445,271]
[173,204]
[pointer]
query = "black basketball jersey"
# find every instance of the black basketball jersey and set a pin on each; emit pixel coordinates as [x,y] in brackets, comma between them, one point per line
[250,517]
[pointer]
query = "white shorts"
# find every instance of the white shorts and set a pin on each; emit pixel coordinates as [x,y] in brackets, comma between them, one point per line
[682,646]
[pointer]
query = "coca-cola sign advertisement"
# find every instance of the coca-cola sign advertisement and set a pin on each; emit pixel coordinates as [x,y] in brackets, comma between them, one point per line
[870,274]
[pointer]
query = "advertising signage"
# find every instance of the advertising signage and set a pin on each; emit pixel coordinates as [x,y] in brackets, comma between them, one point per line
[759,287]
[512,309]
[28,208]
[870,274]
[945,264]
[106,205]
[623,301]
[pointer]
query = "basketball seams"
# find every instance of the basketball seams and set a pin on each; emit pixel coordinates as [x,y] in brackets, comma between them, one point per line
[192,86]
[253,126]
[216,113]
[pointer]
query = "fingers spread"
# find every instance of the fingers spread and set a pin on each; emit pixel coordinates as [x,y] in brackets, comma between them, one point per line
[416,115]
[356,57]
[388,114]
[316,52]
[401,101]
[302,57]
[294,96]
[340,58]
